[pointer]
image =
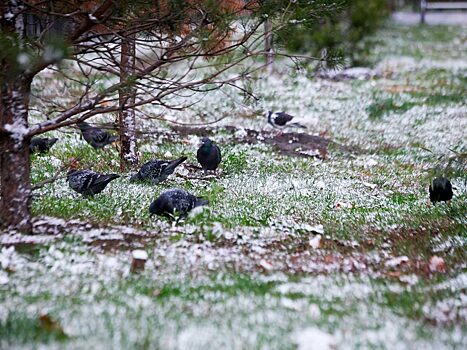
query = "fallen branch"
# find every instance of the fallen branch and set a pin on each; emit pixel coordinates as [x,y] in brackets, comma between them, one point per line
[204,178]
[50,180]
[55,177]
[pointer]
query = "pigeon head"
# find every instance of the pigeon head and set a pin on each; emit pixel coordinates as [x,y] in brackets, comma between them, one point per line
[268,116]
[206,141]
[83,126]
[161,206]
[51,142]
[206,145]
[70,172]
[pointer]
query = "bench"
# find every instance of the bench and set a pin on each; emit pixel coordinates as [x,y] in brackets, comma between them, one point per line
[426,5]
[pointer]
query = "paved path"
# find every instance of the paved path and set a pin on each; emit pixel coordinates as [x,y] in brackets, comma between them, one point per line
[435,17]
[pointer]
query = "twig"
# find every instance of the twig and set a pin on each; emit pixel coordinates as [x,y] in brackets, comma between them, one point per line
[53,178]
[204,178]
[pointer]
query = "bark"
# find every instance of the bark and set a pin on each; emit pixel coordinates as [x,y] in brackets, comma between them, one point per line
[127,96]
[268,46]
[15,185]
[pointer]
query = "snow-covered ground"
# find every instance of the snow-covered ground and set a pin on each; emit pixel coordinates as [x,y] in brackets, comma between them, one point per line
[292,252]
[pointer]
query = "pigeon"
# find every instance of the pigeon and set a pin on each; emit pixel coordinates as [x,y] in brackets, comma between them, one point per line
[157,171]
[208,155]
[175,201]
[280,120]
[440,190]
[96,137]
[88,182]
[41,144]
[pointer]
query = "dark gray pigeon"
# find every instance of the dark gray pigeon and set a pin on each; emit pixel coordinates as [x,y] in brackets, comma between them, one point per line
[41,144]
[208,155]
[440,190]
[175,202]
[88,182]
[280,120]
[96,137]
[157,171]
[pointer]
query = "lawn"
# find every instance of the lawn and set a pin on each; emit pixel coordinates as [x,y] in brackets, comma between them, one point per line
[294,251]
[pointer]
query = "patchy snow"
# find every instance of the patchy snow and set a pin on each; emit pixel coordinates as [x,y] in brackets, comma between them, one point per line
[18,129]
[394,262]
[313,339]
[8,16]
[315,241]
[242,272]
[139,254]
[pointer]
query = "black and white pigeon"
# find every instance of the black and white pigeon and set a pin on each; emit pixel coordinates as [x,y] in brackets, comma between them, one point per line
[440,190]
[96,137]
[175,202]
[41,144]
[157,171]
[280,120]
[88,182]
[208,155]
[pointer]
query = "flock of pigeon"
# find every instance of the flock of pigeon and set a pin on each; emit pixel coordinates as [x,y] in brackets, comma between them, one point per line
[177,201]
[168,204]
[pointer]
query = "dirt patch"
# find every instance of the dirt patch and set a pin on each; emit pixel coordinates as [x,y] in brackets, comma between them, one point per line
[291,143]
[106,237]
[300,144]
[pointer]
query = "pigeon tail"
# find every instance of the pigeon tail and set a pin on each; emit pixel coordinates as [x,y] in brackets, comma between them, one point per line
[173,164]
[440,190]
[106,178]
[298,125]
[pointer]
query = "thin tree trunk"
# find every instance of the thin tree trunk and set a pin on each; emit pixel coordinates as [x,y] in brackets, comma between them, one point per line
[127,117]
[268,46]
[15,185]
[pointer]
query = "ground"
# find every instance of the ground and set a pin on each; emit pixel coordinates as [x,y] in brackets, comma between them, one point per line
[299,248]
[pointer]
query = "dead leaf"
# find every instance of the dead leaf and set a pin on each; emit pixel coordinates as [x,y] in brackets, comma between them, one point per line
[50,325]
[437,264]
[330,258]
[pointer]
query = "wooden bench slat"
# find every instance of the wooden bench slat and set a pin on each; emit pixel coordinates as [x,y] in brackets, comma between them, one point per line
[446,5]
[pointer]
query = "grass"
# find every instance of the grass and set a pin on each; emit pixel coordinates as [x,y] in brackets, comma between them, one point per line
[241,273]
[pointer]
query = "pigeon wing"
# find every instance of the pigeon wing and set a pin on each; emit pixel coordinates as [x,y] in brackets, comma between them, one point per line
[282,118]
[98,135]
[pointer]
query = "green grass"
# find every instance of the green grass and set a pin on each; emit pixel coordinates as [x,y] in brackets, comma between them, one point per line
[21,329]
[383,106]
[241,272]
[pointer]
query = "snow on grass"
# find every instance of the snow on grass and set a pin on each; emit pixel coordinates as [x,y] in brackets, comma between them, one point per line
[248,271]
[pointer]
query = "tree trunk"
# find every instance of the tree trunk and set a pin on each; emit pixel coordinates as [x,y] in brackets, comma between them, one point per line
[15,185]
[268,45]
[127,95]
